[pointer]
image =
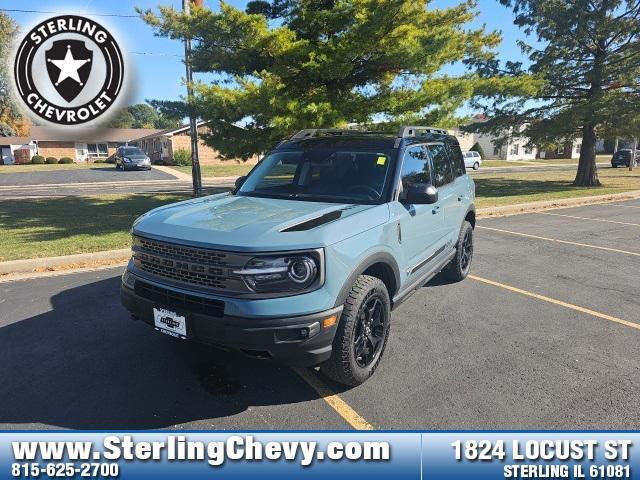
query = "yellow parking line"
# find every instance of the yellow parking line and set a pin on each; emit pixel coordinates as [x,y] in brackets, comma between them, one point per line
[555,240]
[588,218]
[571,306]
[338,404]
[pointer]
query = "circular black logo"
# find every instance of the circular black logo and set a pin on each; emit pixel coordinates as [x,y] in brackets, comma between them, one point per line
[69,70]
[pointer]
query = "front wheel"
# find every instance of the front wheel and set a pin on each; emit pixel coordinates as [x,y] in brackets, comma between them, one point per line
[459,267]
[362,333]
[476,166]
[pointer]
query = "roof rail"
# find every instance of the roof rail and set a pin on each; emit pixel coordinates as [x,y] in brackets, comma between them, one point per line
[414,130]
[316,132]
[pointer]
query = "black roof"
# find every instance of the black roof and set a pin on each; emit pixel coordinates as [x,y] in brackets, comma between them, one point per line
[364,141]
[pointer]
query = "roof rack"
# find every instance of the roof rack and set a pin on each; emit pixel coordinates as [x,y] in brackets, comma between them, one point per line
[414,131]
[317,132]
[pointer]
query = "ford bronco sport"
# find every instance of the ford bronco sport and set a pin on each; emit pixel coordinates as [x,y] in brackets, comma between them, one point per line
[304,261]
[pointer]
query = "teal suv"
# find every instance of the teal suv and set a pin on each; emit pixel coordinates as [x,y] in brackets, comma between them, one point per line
[305,260]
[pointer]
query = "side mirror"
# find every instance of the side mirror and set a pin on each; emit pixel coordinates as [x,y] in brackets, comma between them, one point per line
[422,194]
[240,181]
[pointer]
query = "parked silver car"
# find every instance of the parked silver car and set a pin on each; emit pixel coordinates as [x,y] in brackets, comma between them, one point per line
[472,160]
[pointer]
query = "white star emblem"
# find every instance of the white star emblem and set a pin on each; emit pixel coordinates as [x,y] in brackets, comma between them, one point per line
[68,66]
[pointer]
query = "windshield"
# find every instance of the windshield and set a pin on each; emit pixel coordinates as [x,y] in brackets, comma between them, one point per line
[132,151]
[322,175]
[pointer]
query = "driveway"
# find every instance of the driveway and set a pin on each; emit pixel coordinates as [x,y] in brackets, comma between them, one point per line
[84,175]
[545,334]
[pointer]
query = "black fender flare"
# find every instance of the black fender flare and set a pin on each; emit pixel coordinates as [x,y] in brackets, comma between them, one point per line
[380,257]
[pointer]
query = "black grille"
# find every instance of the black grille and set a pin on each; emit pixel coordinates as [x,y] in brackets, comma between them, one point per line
[179,301]
[196,267]
[179,252]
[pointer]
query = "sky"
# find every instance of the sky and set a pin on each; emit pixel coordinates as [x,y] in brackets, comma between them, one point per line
[159,70]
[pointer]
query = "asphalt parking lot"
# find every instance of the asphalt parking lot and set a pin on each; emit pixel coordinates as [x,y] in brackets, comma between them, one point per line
[545,334]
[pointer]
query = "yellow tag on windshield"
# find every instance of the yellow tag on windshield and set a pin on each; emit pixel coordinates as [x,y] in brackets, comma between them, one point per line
[382,160]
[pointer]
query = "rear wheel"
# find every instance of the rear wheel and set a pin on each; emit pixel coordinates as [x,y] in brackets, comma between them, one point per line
[459,267]
[362,333]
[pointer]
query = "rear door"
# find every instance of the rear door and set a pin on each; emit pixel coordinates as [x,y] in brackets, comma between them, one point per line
[444,176]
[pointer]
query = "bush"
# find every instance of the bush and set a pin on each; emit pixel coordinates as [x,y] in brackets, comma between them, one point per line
[182,157]
[66,160]
[477,148]
[51,161]
[37,160]
[111,159]
[101,160]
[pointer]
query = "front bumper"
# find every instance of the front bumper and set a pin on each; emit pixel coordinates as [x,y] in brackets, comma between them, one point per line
[277,339]
[136,166]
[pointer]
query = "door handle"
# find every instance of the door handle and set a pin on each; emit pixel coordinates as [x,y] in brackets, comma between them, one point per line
[436,209]
[460,198]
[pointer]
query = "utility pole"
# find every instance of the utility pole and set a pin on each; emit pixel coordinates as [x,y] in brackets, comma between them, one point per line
[193,127]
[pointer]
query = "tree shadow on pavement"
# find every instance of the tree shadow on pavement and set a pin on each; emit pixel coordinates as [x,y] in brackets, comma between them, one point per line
[86,365]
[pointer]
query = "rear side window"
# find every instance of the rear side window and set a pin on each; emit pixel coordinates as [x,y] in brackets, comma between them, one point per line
[415,168]
[455,152]
[443,168]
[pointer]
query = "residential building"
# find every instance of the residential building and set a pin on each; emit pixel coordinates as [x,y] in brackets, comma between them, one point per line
[16,150]
[84,145]
[563,150]
[514,148]
[160,146]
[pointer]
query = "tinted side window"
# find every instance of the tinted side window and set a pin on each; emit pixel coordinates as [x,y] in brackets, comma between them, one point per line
[443,168]
[415,168]
[458,160]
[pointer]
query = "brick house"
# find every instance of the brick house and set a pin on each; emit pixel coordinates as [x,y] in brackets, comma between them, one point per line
[161,145]
[84,145]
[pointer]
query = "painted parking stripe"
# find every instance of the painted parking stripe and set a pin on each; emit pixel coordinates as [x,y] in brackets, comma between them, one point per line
[627,206]
[343,409]
[566,242]
[589,218]
[561,303]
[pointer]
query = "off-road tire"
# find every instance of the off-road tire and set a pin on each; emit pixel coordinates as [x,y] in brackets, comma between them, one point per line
[341,366]
[458,269]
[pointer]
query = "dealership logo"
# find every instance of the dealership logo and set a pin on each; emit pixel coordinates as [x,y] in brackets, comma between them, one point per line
[69,70]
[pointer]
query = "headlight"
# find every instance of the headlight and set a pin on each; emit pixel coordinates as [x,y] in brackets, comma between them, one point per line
[127,160]
[282,273]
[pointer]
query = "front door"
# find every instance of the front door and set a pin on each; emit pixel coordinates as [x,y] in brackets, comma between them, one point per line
[421,227]
[82,154]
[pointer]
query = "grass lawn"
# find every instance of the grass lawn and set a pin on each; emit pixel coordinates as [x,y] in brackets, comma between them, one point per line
[47,227]
[232,169]
[496,163]
[47,168]
[521,187]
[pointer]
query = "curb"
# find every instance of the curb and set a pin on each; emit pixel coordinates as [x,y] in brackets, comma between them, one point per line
[532,207]
[111,257]
[31,265]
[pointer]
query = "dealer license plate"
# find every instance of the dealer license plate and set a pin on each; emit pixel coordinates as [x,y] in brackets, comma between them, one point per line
[170,322]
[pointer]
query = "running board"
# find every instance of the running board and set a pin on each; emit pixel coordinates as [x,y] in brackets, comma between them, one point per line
[414,286]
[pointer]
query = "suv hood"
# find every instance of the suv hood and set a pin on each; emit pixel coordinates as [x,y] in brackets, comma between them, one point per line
[258,224]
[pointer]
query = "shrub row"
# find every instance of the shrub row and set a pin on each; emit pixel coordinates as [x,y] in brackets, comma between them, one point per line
[40,160]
